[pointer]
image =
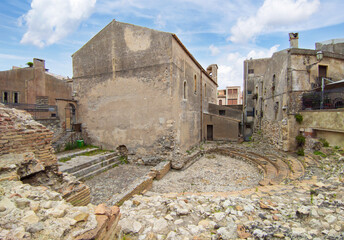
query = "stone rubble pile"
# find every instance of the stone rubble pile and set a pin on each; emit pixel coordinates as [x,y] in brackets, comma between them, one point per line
[312,210]
[311,207]
[29,212]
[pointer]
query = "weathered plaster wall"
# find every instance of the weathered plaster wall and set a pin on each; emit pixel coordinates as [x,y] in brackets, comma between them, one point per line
[128,99]
[328,124]
[224,128]
[187,109]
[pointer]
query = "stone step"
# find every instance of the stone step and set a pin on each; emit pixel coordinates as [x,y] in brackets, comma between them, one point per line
[297,169]
[109,164]
[94,167]
[80,162]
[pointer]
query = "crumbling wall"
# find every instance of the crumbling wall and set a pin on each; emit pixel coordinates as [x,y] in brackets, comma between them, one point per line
[26,154]
[36,200]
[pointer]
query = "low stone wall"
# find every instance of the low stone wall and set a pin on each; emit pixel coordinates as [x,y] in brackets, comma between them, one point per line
[328,124]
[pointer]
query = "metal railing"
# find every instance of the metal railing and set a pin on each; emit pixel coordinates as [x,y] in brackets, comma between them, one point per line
[38,111]
[329,99]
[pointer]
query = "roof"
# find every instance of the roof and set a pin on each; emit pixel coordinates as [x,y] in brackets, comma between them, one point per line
[173,35]
[192,57]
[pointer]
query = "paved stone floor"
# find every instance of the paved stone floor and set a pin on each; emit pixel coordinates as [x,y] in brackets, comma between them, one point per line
[114,181]
[211,173]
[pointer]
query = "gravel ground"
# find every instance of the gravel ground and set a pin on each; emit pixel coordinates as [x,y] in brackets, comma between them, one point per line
[113,181]
[211,173]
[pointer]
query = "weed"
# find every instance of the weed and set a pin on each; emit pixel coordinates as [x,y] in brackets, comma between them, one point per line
[336,147]
[300,152]
[324,142]
[320,154]
[211,156]
[71,146]
[298,118]
[188,152]
[300,140]
[256,189]
[92,153]
[123,160]
[65,159]
[312,198]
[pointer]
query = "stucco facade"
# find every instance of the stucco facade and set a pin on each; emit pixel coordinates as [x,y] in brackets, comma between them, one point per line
[274,88]
[141,88]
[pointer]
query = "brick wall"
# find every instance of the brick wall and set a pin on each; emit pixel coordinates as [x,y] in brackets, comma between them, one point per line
[20,133]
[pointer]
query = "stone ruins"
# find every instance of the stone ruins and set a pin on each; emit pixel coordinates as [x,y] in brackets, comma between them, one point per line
[168,163]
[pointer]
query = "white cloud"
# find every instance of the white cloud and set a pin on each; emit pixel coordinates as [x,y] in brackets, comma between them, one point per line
[230,72]
[274,15]
[48,21]
[214,50]
[159,21]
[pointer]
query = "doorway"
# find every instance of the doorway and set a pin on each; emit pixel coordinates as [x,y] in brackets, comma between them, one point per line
[210,132]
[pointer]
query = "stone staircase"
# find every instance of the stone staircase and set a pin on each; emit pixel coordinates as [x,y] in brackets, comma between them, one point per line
[85,167]
[275,168]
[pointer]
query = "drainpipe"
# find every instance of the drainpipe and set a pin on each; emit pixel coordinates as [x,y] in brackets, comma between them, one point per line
[201,92]
[245,105]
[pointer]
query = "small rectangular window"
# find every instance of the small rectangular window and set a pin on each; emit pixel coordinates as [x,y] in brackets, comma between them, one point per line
[222,112]
[250,71]
[5,96]
[249,92]
[16,97]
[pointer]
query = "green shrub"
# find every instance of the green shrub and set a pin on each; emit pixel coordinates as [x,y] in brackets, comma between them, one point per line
[300,152]
[30,64]
[300,139]
[71,146]
[298,118]
[324,142]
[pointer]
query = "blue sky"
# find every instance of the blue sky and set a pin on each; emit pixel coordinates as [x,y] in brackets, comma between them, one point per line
[225,32]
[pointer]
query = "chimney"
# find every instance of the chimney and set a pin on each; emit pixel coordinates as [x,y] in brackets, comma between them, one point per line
[38,63]
[294,40]
[212,71]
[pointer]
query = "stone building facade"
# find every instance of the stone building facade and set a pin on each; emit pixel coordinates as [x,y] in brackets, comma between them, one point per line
[274,88]
[141,88]
[47,97]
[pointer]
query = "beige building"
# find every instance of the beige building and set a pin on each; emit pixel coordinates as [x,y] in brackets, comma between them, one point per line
[44,95]
[232,95]
[142,88]
[276,89]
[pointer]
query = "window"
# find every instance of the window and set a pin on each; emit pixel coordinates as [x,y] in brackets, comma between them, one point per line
[322,71]
[250,71]
[222,112]
[273,83]
[184,90]
[205,90]
[249,92]
[220,102]
[16,97]
[5,97]
[195,83]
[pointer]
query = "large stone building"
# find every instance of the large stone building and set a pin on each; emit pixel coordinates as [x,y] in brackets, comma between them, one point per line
[46,96]
[275,90]
[142,88]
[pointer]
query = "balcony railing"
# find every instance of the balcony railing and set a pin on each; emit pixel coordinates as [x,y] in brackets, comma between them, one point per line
[329,99]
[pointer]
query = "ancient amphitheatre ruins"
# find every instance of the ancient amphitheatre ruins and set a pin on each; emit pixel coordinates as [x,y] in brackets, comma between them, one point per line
[168,179]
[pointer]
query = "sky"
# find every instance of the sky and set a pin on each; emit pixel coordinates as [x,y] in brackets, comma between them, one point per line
[225,32]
